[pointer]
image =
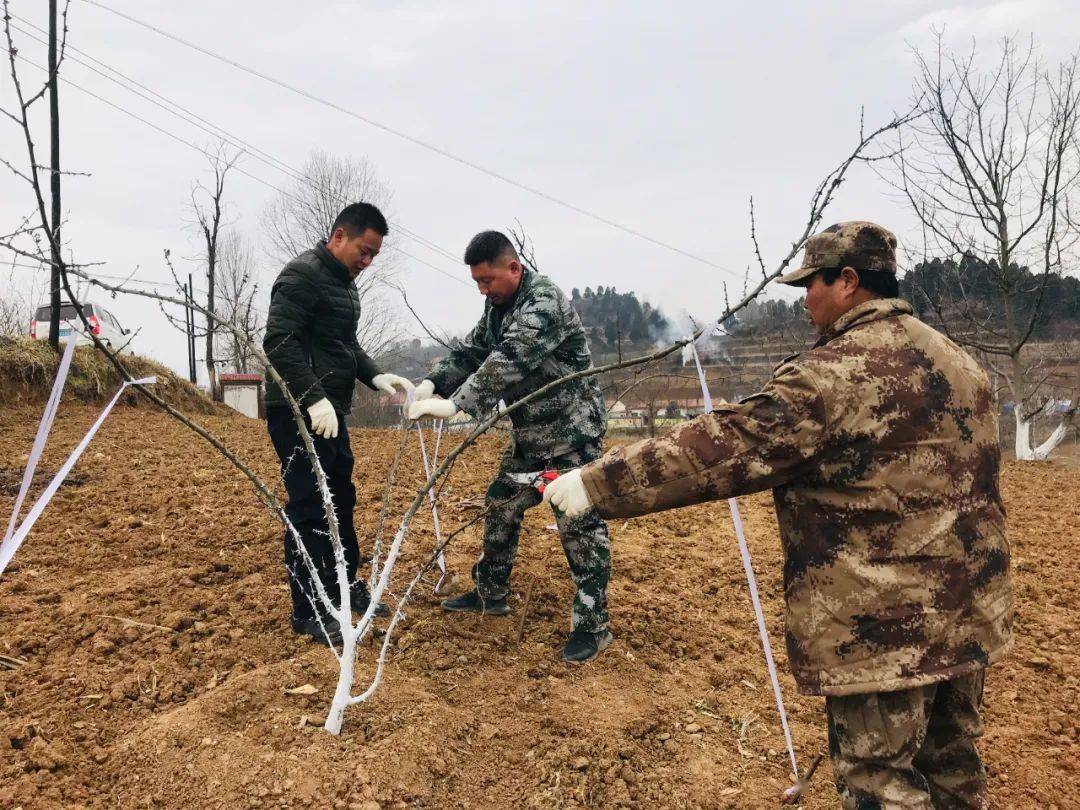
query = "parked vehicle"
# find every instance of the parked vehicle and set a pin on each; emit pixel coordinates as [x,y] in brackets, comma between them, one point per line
[103,323]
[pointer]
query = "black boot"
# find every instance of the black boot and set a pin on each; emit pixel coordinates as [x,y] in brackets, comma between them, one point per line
[473,602]
[582,646]
[328,632]
[359,599]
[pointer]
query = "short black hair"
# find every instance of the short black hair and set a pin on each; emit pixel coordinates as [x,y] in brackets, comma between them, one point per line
[878,282]
[487,247]
[359,217]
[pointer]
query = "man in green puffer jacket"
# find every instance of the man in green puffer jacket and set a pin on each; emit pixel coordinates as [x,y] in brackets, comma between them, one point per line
[311,342]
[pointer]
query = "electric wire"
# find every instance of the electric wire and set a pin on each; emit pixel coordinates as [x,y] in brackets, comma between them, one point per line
[209,155]
[411,138]
[193,118]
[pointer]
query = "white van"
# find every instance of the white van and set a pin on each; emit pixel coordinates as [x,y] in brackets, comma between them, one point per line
[105,326]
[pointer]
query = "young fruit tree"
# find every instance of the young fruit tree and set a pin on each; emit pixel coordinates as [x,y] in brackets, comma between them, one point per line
[335,601]
[990,170]
[385,557]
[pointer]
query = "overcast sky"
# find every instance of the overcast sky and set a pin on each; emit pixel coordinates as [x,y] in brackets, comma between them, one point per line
[665,117]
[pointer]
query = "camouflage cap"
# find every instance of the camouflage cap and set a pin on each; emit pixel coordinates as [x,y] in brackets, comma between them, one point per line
[860,245]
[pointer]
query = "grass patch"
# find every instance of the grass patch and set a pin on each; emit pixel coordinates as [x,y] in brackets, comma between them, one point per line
[28,368]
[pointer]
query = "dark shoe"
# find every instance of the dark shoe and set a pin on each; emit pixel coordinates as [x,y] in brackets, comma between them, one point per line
[329,632]
[582,647]
[473,602]
[359,599]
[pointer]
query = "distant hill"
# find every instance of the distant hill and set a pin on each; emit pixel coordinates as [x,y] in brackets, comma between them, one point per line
[972,288]
[617,321]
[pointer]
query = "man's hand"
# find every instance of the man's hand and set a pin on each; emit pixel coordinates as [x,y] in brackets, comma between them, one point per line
[567,494]
[323,419]
[435,408]
[424,390]
[388,383]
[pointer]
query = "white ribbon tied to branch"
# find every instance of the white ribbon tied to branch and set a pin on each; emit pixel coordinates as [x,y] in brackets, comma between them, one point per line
[751,581]
[14,537]
[429,466]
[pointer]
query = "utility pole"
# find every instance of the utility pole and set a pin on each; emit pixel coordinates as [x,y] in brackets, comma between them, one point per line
[54,167]
[191,330]
[187,327]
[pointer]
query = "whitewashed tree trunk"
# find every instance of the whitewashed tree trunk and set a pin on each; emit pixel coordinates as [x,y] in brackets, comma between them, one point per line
[1025,449]
[343,692]
[1023,436]
[1043,451]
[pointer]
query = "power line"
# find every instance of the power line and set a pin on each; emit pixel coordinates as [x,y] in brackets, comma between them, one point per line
[108,277]
[216,131]
[411,139]
[202,151]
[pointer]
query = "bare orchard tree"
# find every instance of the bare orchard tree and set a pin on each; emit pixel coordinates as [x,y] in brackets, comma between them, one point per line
[304,212]
[989,170]
[208,206]
[384,556]
[239,302]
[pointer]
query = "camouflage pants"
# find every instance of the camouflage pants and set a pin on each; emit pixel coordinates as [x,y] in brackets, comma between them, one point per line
[912,748]
[584,538]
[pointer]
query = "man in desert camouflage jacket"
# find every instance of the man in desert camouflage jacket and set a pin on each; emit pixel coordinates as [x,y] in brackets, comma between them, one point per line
[881,447]
[528,336]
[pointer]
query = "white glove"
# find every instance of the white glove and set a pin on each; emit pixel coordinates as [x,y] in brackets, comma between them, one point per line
[323,419]
[424,390]
[567,494]
[435,408]
[388,383]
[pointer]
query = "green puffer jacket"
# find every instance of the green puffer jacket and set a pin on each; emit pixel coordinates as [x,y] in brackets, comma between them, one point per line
[311,333]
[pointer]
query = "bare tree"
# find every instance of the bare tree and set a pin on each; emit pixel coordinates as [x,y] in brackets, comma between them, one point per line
[305,210]
[303,214]
[238,302]
[207,203]
[989,170]
[23,290]
[383,558]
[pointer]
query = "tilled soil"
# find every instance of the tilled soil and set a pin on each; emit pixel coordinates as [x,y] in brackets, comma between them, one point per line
[150,608]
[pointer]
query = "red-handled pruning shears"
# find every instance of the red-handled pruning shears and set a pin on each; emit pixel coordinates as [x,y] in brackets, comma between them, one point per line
[540,480]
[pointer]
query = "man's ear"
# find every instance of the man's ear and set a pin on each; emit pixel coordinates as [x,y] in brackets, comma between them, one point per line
[337,235]
[514,266]
[850,277]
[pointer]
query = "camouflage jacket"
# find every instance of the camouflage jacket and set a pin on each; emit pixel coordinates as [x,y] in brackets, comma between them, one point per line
[517,348]
[881,447]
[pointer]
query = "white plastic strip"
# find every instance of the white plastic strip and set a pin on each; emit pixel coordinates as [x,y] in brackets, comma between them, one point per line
[11,544]
[751,581]
[44,426]
[429,466]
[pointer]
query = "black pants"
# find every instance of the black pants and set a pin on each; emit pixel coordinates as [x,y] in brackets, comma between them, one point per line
[305,508]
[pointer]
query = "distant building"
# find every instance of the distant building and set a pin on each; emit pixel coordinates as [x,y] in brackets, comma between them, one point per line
[243,393]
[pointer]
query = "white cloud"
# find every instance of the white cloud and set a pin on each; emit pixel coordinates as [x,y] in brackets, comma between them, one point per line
[1054,22]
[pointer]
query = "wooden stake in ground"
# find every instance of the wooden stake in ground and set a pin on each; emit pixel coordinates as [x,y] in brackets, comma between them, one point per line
[524,612]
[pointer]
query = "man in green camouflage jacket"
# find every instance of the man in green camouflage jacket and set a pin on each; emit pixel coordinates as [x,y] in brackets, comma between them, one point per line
[881,447]
[529,335]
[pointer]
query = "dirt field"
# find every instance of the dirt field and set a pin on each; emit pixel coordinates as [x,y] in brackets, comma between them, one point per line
[189,709]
